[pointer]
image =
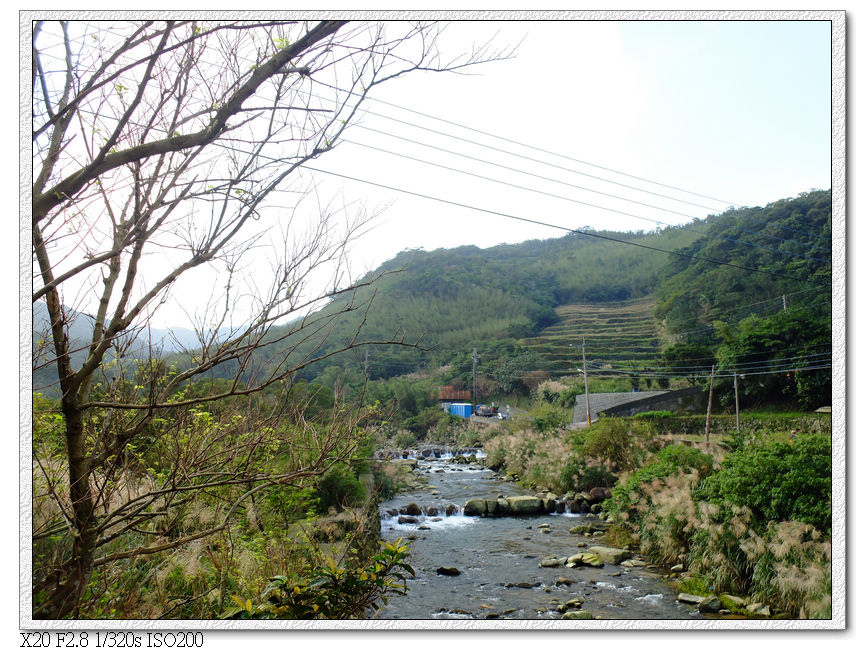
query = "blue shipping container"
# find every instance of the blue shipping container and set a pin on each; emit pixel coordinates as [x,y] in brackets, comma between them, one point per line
[461,410]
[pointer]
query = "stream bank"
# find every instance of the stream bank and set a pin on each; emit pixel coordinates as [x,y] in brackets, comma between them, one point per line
[514,566]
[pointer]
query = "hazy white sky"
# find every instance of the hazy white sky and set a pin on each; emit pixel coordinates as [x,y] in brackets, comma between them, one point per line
[739,111]
[566,131]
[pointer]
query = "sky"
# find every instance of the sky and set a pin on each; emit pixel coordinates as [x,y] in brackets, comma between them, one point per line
[737,111]
[570,129]
[615,125]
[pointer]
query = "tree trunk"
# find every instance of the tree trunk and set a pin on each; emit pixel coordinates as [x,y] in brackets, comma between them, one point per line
[69,584]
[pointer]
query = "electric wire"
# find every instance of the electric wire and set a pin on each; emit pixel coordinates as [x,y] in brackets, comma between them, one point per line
[564,228]
[572,200]
[551,153]
[479,144]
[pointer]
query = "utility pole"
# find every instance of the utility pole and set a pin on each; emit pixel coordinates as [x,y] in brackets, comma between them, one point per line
[586,380]
[736,391]
[709,408]
[474,378]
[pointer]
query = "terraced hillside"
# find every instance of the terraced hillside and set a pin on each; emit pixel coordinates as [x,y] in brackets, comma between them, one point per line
[616,334]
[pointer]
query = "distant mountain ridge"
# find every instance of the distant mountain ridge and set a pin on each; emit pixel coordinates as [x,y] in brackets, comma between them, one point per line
[530,300]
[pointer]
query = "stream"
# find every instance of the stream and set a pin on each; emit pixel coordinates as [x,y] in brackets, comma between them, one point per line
[498,559]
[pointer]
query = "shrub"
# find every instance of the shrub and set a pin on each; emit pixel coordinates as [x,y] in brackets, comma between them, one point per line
[669,461]
[785,563]
[404,439]
[333,591]
[654,415]
[385,481]
[339,487]
[782,481]
[595,476]
[621,443]
[549,418]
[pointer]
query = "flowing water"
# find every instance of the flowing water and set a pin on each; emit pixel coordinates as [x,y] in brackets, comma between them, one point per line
[498,559]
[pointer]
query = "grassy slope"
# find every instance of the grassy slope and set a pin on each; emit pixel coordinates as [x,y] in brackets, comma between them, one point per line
[614,332]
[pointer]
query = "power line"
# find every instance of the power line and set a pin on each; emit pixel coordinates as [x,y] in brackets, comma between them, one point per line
[572,200]
[552,153]
[528,146]
[761,363]
[566,229]
[479,144]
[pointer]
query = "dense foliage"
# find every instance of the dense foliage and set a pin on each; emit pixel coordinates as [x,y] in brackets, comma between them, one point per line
[789,238]
[333,591]
[782,481]
[459,298]
[669,461]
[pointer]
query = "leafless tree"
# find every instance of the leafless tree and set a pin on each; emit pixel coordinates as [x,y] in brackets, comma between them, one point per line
[161,149]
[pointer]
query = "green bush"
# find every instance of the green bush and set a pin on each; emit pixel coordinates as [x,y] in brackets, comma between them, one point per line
[669,461]
[654,415]
[622,443]
[549,418]
[333,591]
[782,481]
[404,439]
[339,487]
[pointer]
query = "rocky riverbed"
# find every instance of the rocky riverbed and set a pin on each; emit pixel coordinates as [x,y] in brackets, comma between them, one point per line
[512,554]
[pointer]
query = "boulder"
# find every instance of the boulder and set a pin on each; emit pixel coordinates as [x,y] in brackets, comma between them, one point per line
[560,507]
[502,506]
[475,508]
[549,505]
[759,609]
[525,505]
[677,568]
[550,562]
[689,599]
[451,509]
[492,506]
[733,602]
[633,563]
[577,616]
[412,509]
[407,520]
[598,494]
[609,554]
[585,559]
[710,605]
[448,571]
[574,506]
[573,603]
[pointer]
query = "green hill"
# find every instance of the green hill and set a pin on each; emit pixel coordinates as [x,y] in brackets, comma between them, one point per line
[458,299]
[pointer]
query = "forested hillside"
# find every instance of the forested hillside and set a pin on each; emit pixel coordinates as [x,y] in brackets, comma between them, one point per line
[789,241]
[517,303]
[764,316]
[456,299]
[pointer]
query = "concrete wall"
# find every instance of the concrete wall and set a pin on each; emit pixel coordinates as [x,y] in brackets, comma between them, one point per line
[602,401]
[629,404]
[691,400]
